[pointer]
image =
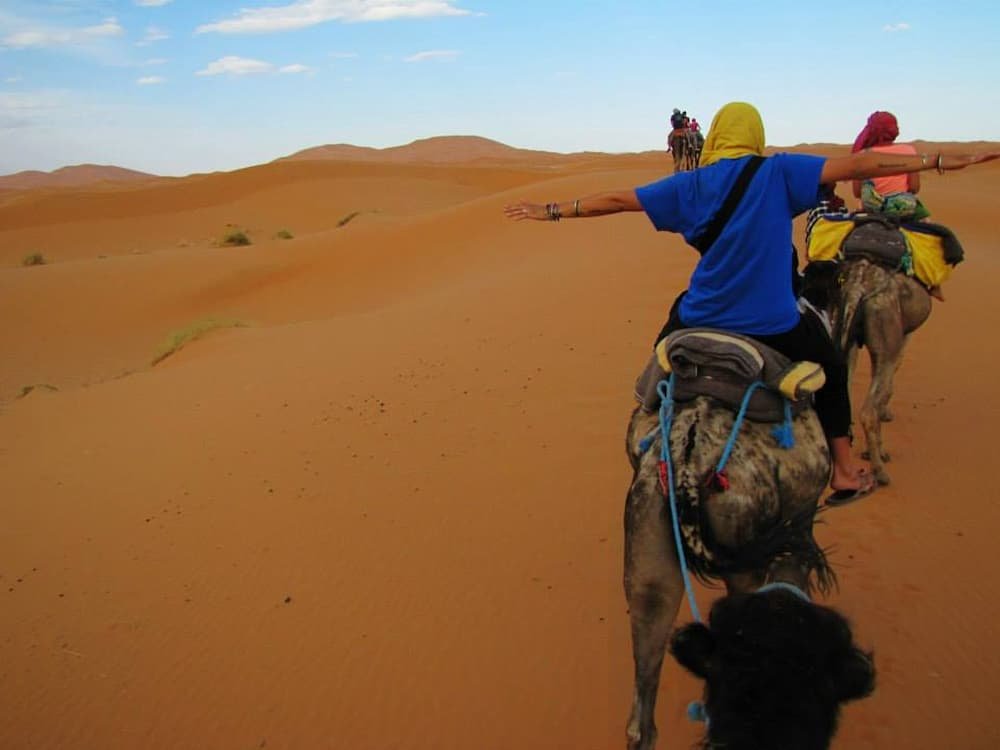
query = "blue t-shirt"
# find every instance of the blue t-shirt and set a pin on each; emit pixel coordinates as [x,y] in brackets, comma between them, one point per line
[743,283]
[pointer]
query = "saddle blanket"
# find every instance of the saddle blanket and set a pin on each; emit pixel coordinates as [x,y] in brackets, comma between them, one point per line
[934,249]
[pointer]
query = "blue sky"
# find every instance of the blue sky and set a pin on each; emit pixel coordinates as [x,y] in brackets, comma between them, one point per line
[181,86]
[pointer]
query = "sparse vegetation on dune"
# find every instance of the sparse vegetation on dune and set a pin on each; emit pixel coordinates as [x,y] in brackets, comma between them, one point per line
[33,259]
[235,238]
[284,234]
[25,390]
[348,218]
[184,336]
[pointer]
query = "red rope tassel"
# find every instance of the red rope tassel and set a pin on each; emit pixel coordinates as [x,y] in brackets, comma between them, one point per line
[717,480]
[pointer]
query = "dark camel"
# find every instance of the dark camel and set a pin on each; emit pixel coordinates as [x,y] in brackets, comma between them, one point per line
[757,531]
[776,669]
[874,307]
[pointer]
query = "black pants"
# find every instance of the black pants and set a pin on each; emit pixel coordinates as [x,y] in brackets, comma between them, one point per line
[806,341]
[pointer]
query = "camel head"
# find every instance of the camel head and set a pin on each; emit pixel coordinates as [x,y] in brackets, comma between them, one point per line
[776,669]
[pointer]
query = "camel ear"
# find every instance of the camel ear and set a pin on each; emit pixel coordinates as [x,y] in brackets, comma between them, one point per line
[693,647]
[854,675]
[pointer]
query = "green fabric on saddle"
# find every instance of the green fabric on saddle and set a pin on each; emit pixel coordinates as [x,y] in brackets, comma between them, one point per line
[723,365]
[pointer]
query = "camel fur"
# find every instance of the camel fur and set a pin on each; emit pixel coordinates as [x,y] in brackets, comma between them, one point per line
[758,530]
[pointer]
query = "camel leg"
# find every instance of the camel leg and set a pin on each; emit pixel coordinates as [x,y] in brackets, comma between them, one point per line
[886,414]
[885,347]
[653,590]
[852,362]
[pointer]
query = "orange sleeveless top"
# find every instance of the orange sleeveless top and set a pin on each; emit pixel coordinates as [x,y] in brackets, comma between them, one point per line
[897,183]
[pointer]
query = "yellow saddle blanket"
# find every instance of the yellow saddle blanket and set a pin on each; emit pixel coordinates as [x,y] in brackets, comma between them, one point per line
[927,248]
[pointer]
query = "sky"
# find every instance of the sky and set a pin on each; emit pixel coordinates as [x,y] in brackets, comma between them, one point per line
[175,87]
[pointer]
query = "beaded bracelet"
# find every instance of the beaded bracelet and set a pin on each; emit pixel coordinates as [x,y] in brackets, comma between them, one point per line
[552,209]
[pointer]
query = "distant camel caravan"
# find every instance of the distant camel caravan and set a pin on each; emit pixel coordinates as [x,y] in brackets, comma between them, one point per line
[738,484]
[871,274]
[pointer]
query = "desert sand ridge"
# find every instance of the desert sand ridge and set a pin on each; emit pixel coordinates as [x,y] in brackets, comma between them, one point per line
[80,174]
[387,511]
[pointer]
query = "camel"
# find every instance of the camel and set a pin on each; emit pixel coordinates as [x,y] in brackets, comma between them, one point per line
[878,308]
[752,698]
[756,531]
[683,149]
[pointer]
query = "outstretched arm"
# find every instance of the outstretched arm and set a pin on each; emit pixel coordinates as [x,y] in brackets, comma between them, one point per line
[863,165]
[598,204]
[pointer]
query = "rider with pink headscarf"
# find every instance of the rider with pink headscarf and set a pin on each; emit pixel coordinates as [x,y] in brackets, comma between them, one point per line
[895,194]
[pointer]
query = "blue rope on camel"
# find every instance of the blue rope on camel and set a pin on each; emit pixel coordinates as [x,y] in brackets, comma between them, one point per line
[786,439]
[665,389]
[717,479]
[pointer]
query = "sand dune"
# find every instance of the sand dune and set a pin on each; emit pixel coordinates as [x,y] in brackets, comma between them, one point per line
[387,512]
[455,149]
[80,174]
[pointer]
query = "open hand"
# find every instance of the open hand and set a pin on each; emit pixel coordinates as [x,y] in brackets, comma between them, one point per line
[524,210]
[950,162]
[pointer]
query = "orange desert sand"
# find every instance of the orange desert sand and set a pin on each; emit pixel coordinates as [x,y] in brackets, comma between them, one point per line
[379,506]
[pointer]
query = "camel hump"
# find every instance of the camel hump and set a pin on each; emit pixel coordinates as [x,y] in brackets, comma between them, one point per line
[723,365]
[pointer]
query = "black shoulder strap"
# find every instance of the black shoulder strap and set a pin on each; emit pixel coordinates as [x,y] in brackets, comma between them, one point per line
[715,227]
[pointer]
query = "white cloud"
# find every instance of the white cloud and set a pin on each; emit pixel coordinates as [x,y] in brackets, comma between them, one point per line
[62,37]
[441,55]
[343,55]
[12,79]
[304,13]
[236,66]
[150,80]
[892,27]
[151,3]
[155,61]
[21,110]
[294,68]
[153,34]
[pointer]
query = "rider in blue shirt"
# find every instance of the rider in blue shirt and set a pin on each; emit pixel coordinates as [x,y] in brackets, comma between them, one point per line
[743,282]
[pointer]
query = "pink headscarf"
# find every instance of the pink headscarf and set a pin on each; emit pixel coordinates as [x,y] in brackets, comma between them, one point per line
[881,130]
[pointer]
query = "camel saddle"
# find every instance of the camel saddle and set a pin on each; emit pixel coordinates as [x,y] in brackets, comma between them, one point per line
[877,239]
[886,241]
[723,365]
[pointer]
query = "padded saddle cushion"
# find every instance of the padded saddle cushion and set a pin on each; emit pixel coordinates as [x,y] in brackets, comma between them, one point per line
[723,365]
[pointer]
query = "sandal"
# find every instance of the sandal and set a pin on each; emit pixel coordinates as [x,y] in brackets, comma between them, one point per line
[844,497]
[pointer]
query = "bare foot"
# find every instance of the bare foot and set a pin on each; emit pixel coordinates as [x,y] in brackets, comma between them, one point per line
[859,478]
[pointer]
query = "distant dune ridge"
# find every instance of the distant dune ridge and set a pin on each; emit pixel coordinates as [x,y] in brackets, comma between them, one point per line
[447,149]
[81,174]
[438,149]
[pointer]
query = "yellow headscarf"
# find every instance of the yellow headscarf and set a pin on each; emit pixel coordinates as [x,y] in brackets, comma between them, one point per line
[736,131]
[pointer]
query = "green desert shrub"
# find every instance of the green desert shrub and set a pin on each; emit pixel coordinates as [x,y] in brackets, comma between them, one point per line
[236,237]
[347,218]
[283,234]
[184,336]
[25,390]
[33,259]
